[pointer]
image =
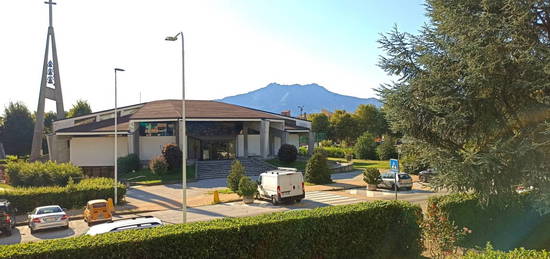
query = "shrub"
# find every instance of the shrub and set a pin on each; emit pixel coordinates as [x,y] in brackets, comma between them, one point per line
[26,199]
[386,150]
[287,153]
[489,253]
[365,147]
[128,163]
[41,174]
[247,187]
[302,151]
[371,176]
[325,143]
[379,229]
[234,177]
[317,171]
[173,155]
[349,155]
[338,152]
[524,226]
[158,165]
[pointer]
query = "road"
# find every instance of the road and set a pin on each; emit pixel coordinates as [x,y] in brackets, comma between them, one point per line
[313,199]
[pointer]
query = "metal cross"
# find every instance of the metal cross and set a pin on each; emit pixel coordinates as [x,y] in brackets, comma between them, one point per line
[50,3]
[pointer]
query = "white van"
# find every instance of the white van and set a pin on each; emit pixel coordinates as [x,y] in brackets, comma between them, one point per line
[283,184]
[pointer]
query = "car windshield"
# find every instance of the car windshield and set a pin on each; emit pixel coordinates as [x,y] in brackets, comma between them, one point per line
[99,205]
[48,210]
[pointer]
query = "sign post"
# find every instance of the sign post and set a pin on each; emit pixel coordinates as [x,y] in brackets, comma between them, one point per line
[394,168]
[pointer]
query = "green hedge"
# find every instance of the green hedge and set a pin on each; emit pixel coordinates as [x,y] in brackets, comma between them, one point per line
[519,224]
[25,199]
[41,174]
[335,151]
[380,229]
[516,253]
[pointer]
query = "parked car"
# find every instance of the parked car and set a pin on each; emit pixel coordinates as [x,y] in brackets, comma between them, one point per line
[281,185]
[388,181]
[426,175]
[45,217]
[7,217]
[125,224]
[98,210]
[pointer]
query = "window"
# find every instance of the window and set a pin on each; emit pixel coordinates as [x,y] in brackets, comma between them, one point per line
[157,128]
[49,210]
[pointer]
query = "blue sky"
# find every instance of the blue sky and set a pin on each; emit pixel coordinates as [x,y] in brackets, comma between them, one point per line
[232,47]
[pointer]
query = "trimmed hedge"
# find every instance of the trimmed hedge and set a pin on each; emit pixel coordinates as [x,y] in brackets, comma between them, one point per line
[71,196]
[380,229]
[287,153]
[129,163]
[519,224]
[41,174]
[335,151]
[489,253]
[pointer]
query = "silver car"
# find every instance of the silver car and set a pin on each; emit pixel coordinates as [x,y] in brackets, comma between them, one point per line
[45,217]
[388,181]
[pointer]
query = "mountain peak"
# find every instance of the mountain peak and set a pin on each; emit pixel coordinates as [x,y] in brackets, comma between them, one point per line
[312,97]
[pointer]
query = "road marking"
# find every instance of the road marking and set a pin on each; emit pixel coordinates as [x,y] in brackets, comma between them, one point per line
[329,198]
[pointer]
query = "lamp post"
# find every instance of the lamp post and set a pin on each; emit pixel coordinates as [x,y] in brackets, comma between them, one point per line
[116,137]
[183,134]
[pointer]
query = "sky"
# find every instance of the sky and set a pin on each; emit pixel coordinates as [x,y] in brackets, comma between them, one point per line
[231,47]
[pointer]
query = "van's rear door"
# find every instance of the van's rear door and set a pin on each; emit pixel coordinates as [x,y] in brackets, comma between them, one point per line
[285,182]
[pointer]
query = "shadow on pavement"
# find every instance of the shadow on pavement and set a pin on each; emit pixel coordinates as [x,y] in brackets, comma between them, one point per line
[53,233]
[141,195]
[15,238]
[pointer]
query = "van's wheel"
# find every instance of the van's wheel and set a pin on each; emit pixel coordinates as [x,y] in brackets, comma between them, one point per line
[274,200]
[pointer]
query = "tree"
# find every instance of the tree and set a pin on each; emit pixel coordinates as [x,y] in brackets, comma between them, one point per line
[473,92]
[287,153]
[386,150]
[365,147]
[319,123]
[317,171]
[370,119]
[17,130]
[81,107]
[234,177]
[344,126]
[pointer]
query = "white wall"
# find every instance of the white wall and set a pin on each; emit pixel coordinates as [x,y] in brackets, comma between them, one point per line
[293,139]
[253,145]
[276,145]
[150,147]
[96,151]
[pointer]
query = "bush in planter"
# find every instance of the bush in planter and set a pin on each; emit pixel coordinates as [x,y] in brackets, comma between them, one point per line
[372,176]
[317,171]
[173,156]
[234,177]
[158,165]
[247,187]
[128,163]
[287,153]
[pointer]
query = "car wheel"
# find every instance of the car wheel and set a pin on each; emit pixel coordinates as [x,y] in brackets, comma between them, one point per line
[274,200]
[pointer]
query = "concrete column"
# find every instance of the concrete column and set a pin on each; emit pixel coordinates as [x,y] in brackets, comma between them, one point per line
[264,138]
[310,143]
[245,139]
[284,138]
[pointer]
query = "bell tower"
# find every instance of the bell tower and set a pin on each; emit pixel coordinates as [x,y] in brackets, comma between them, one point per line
[50,87]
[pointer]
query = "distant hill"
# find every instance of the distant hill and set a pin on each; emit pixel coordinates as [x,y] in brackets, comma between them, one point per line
[313,97]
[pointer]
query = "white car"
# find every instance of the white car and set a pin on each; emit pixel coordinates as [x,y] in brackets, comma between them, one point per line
[46,217]
[125,224]
[283,184]
[388,181]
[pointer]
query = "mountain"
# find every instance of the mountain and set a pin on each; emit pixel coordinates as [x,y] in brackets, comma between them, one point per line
[313,97]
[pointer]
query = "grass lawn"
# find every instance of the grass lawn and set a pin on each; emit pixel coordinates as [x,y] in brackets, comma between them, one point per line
[362,164]
[298,164]
[151,178]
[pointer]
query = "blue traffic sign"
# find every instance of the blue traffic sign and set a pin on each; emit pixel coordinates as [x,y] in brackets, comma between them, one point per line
[394,165]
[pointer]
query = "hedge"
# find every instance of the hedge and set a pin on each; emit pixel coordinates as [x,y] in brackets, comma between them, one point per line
[41,174]
[25,199]
[335,151]
[519,224]
[523,253]
[380,229]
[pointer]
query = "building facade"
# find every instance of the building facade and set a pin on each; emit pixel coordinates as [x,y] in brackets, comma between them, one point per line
[215,131]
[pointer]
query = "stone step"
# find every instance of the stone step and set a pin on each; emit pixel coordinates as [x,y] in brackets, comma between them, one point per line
[221,168]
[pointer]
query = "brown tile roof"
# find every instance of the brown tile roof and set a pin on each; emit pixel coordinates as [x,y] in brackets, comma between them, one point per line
[171,109]
[290,127]
[101,126]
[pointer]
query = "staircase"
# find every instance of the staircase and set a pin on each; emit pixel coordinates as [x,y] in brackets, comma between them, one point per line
[220,168]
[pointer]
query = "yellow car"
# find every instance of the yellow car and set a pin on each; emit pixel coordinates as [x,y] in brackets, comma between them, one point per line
[98,211]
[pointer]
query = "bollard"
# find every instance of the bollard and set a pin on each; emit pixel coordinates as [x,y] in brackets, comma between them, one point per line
[216,197]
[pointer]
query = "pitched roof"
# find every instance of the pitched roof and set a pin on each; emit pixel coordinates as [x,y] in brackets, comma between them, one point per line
[101,126]
[171,109]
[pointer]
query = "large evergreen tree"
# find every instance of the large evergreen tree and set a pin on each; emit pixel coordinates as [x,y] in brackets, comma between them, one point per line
[474,93]
[17,130]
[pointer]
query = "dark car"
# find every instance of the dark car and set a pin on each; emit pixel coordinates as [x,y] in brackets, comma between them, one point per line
[7,217]
[426,175]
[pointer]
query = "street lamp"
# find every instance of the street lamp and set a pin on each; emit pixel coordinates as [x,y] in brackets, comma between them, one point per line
[183,134]
[116,136]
